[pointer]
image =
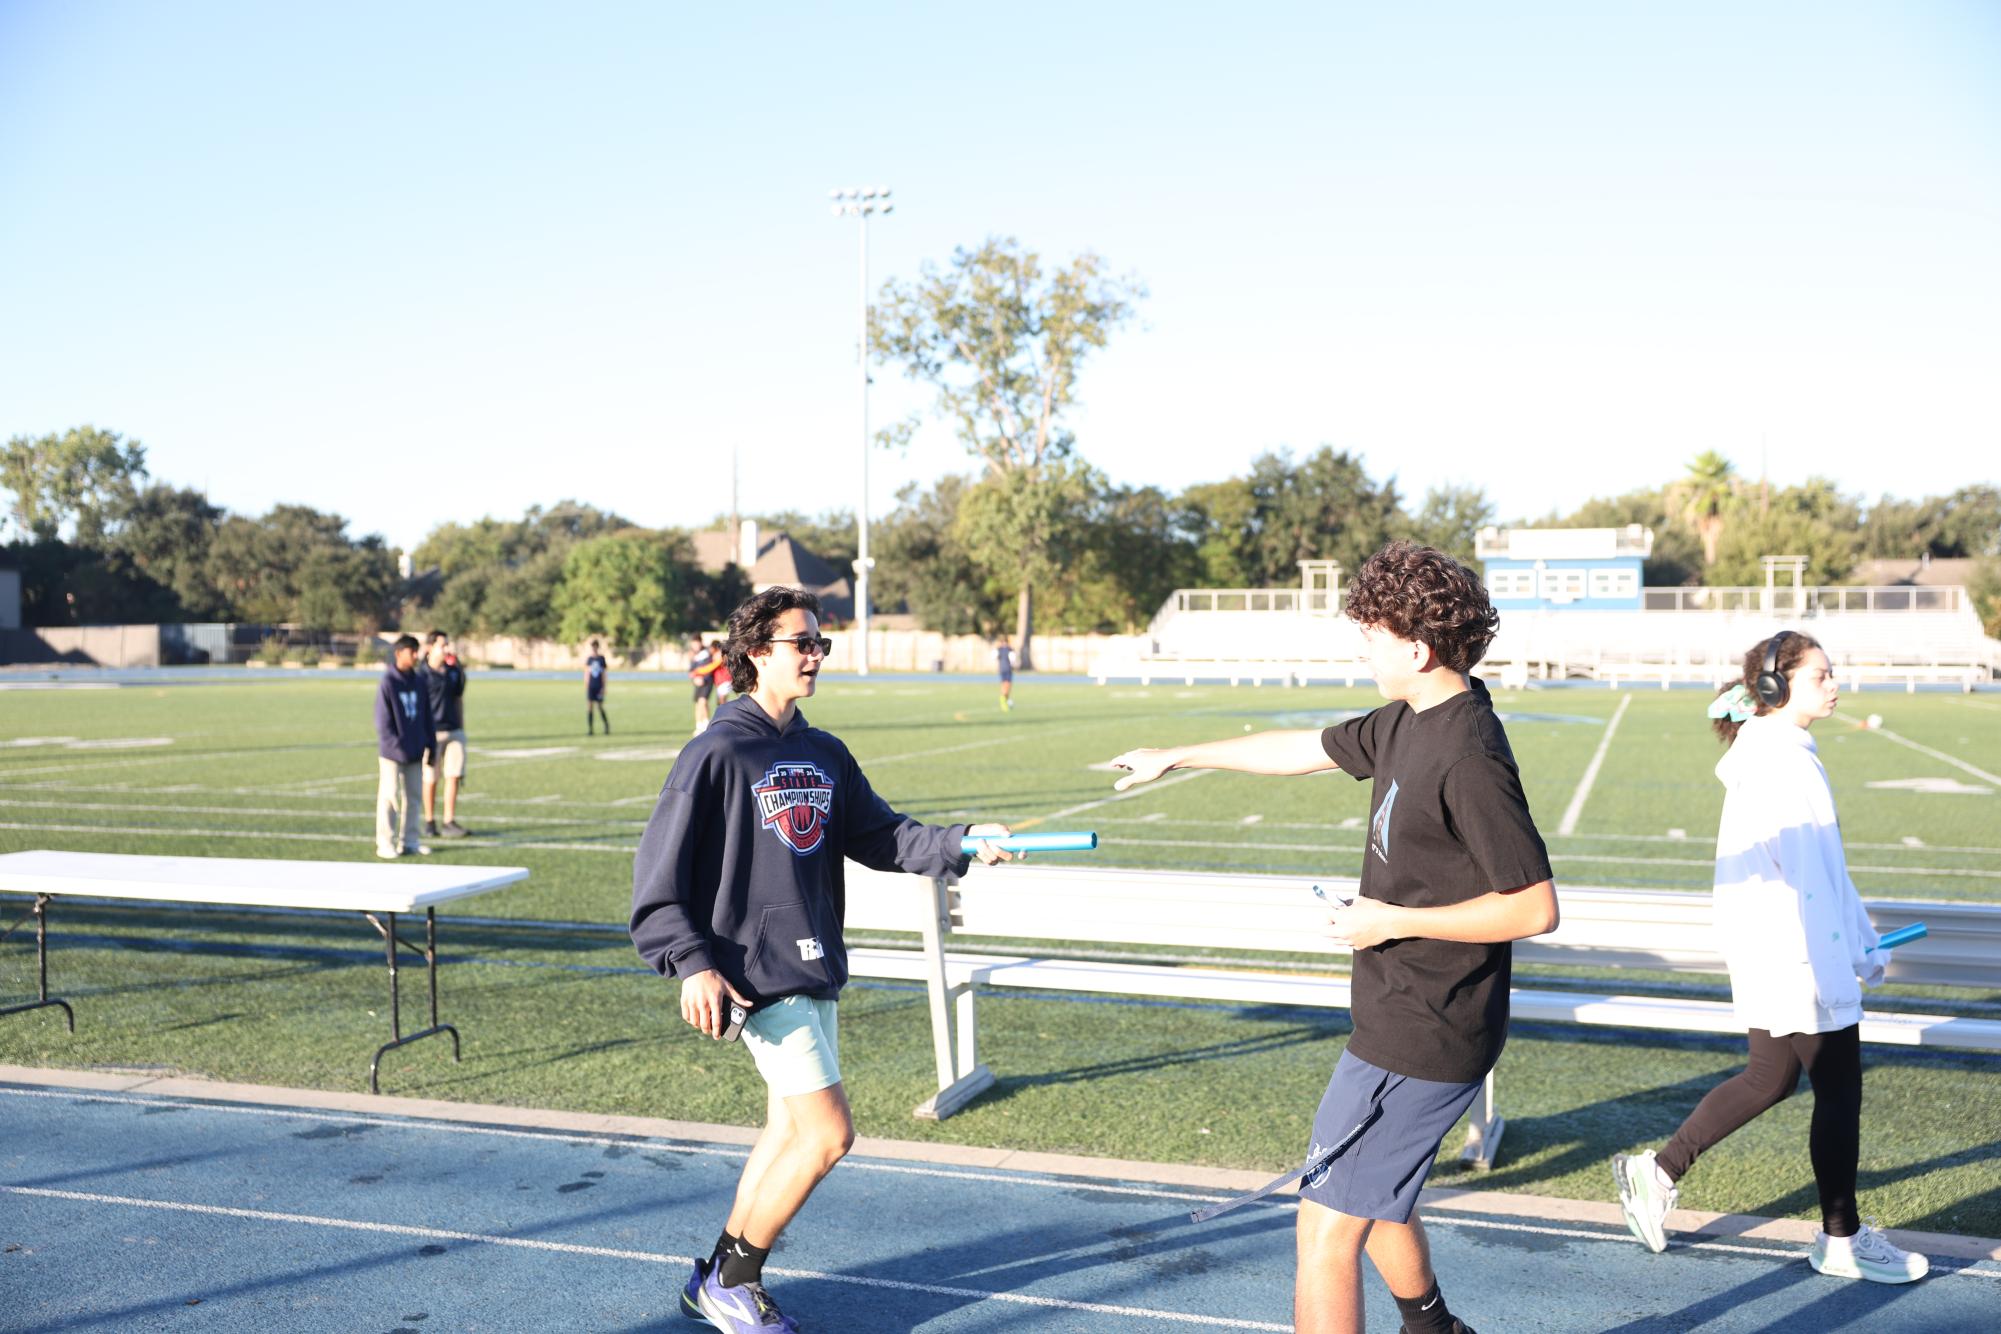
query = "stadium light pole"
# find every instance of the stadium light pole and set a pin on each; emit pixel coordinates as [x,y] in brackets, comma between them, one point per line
[859,203]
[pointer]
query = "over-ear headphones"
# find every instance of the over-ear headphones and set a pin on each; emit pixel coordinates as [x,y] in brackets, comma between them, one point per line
[1771,687]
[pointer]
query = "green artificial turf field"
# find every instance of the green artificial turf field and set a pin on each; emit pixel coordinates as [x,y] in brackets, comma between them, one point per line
[281,766]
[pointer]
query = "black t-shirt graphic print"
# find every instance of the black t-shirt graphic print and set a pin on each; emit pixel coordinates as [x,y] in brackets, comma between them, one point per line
[1448,822]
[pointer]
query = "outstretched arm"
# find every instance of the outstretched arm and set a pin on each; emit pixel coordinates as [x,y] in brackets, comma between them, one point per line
[1284,752]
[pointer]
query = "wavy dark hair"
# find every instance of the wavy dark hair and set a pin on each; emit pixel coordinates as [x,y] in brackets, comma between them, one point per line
[1421,594]
[750,629]
[1792,650]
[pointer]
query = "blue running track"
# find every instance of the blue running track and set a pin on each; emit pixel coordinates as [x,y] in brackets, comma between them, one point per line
[134,1211]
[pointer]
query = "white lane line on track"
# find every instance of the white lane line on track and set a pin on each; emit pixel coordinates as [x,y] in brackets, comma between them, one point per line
[1953,760]
[1575,810]
[648,1257]
[1445,1216]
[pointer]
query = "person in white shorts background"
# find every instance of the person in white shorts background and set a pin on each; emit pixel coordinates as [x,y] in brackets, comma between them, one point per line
[444,688]
[738,891]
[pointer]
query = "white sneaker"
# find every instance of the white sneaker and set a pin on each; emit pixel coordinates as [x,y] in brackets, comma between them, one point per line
[1646,1195]
[1868,1254]
[389,854]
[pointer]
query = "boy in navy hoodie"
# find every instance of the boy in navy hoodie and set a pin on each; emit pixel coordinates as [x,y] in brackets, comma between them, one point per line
[404,741]
[738,891]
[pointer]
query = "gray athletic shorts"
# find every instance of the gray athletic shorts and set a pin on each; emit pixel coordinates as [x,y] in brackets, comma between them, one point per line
[1374,1139]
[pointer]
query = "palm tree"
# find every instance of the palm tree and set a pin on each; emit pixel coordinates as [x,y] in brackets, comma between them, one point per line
[1704,496]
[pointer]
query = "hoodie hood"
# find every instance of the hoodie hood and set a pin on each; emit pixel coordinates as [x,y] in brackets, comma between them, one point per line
[746,716]
[1761,742]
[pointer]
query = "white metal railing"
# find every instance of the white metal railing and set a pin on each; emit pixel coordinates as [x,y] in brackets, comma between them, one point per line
[1830,600]
[1249,915]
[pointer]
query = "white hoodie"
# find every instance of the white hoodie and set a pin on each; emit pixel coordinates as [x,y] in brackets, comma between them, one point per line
[1789,919]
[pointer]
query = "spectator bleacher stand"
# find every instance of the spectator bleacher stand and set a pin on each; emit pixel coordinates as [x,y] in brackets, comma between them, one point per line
[1581,614]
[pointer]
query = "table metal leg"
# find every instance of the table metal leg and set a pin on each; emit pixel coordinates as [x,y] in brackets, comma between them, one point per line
[430,952]
[39,910]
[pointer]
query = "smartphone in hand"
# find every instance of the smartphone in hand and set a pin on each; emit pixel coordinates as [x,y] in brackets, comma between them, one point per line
[734,1028]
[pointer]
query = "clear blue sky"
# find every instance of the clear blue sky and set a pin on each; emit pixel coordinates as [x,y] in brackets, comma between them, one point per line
[425,262]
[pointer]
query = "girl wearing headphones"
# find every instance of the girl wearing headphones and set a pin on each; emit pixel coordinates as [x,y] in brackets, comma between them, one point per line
[1799,948]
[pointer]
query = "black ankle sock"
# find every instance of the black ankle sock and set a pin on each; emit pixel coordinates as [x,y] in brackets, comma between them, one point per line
[742,1263]
[723,1244]
[1426,1314]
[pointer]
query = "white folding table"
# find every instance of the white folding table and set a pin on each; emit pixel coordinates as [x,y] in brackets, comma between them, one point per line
[377,891]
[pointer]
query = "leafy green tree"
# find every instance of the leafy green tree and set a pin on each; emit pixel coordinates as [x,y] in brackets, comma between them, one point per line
[1138,546]
[634,587]
[1255,530]
[1965,523]
[1812,519]
[298,565]
[163,534]
[1002,343]
[500,575]
[1705,498]
[1451,519]
[70,479]
[924,567]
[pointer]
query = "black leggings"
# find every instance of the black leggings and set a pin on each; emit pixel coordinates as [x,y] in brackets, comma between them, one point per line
[1833,1063]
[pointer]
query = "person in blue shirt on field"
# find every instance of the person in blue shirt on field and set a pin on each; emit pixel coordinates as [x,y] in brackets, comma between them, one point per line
[1004,661]
[595,671]
[404,742]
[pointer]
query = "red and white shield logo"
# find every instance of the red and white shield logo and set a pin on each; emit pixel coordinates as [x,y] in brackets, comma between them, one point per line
[794,801]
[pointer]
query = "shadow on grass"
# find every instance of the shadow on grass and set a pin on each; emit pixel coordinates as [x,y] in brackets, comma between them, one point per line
[1299,1035]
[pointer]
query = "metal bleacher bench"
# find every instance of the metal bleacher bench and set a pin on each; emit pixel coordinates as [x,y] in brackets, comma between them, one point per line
[1601,928]
[379,893]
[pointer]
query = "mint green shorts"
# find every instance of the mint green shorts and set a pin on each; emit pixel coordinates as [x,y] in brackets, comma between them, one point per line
[796,1044]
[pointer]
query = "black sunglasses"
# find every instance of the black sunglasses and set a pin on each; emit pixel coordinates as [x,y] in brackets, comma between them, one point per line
[819,644]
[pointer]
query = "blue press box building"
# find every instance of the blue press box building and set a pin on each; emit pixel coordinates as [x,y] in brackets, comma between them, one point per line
[1546,569]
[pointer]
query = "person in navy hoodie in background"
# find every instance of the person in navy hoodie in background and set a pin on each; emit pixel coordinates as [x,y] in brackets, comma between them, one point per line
[738,891]
[445,686]
[404,742]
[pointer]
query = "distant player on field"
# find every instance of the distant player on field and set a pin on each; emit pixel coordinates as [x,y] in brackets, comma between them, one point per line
[596,670]
[1004,662]
[403,741]
[702,664]
[738,891]
[1454,870]
[445,687]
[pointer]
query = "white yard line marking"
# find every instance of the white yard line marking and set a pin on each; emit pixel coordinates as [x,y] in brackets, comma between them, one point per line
[991,744]
[1142,790]
[286,836]
[1573,812]
[649,1257]
[348,813]
[1953,760]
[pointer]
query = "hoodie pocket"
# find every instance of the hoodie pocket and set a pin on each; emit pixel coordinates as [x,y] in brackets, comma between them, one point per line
[789,954]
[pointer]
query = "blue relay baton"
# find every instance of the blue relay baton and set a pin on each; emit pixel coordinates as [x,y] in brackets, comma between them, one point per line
[1079,842]
[1903,935]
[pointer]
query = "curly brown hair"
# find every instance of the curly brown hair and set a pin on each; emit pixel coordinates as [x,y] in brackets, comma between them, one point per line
[750,628]
[1421,594]
[1792,649]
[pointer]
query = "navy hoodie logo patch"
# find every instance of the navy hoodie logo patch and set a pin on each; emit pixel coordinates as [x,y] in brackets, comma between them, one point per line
[794,801]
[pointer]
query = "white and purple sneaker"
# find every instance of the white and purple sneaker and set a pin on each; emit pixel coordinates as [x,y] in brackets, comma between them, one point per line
[691,1292]
[744,1309]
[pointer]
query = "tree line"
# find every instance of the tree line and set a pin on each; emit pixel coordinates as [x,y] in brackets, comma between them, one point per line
[1032,538]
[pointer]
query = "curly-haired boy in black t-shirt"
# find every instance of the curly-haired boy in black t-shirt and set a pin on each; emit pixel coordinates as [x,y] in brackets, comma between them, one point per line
[1453,871]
